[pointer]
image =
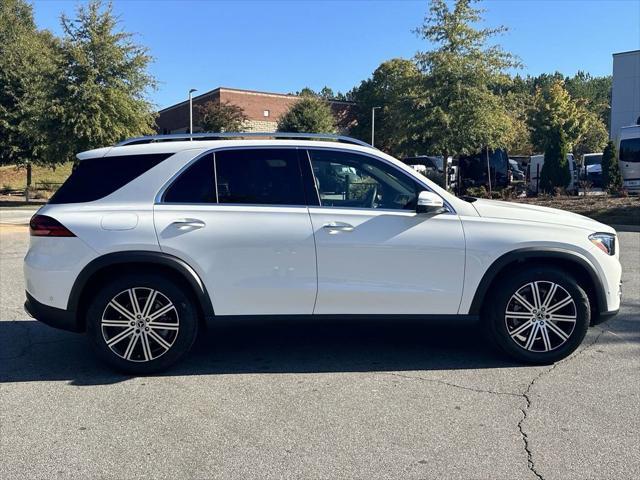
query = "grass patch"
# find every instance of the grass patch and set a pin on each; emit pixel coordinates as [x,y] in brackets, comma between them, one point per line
[605,209]
[15,178]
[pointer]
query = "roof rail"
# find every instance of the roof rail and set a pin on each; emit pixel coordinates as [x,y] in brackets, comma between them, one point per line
[214,136]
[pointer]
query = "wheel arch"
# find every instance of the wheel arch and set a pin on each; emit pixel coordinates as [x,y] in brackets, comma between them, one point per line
[109,265]
[582,270]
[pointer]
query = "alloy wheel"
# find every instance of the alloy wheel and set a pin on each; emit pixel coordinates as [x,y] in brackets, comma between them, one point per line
[540,316]
[140,324]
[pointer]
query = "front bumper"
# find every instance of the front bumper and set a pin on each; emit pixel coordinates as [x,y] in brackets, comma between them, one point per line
[54,317]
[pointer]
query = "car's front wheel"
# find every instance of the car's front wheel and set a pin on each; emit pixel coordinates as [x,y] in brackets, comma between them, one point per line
[539,315]
[142,323]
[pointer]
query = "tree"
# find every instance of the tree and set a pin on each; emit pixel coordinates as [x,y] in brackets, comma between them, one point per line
[220,117]
[594,91]
[555,170]
[100,92]
[462,111]
[594,135]
[395,88]
[611,177]
[308,115]
[553,110]
[26,67]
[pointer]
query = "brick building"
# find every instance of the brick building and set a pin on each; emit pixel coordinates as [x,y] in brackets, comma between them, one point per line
[263,109]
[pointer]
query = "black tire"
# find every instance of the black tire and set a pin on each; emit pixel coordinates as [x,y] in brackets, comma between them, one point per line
[148,355]
[499,326]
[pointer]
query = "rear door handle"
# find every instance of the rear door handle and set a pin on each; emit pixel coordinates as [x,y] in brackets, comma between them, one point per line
[184,223]
[338,227]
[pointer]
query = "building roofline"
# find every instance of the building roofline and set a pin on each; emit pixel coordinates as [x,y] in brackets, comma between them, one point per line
[247,92]
[626,53]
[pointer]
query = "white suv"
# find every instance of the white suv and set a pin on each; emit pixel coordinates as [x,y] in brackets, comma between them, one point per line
[148,239]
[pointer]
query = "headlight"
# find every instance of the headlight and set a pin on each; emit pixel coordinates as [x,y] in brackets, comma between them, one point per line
[605,242]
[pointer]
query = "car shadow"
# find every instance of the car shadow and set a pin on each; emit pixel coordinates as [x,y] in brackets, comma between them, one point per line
[31,351]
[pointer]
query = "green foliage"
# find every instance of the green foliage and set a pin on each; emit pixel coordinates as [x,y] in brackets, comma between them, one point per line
[396,87]
[594,91]
[555,170]
[611,176]
[102,82]
[553,108]
[308,115]
[26,68]
[461,111]
[594,135]
[220,117]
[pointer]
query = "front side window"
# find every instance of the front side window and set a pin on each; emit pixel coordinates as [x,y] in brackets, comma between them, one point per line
[630,150]
[266,176]
[195,184]
[350,180]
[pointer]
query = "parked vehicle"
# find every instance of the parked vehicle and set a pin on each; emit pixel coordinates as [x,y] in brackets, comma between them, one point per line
[535,169]
[592,169]
[629,155]
[149,238]
[474,171]
[431,167]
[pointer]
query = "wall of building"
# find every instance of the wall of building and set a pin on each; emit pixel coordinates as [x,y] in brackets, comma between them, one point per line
[263,110]
[625,92]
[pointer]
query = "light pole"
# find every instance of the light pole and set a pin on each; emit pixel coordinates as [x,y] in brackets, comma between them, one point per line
[191,111]
[373,123]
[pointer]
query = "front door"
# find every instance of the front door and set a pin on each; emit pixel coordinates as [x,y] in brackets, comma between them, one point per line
[376,255]
[247,234]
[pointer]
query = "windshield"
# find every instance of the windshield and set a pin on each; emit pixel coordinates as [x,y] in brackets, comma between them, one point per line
[592,159]
[630,150]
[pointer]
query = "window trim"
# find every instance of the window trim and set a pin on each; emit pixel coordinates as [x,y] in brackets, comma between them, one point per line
[302,164]
[450,209]
[159,198]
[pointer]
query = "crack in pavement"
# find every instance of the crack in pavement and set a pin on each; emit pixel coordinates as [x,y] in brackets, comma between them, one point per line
[449,384]
[526,395]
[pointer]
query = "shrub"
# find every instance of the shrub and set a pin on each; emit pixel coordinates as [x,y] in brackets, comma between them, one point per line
[611,177]
[555,170]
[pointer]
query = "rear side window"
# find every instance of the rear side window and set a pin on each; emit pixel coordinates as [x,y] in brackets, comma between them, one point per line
[269,176]
[96,178]
[195,185]
[630,150]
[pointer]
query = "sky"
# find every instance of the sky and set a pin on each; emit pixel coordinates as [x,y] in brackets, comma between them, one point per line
[283,46]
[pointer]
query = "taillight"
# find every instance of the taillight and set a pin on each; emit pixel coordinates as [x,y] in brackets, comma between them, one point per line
[43,226]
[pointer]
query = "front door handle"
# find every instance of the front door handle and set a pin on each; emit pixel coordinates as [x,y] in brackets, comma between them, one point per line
[185,223]
[335,227]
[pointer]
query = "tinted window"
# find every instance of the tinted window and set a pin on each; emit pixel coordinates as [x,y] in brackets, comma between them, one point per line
[194,185]
[259,176]
[630,150]
[350,180]
[96,178]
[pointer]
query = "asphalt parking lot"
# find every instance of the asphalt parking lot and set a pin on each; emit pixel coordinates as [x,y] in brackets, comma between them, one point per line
[319,400]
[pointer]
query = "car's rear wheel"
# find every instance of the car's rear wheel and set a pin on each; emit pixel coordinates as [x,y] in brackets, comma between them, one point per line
[142,323]
[539,315]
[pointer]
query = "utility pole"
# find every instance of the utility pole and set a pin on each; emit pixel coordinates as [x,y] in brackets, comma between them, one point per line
[373,123]
[191,111]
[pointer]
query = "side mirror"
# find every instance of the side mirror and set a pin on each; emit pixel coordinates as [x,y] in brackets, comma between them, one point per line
[429,202]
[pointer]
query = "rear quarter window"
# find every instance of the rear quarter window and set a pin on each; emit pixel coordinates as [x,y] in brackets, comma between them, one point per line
[95,178]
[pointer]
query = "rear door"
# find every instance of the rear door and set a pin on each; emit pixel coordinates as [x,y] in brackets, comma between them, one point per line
[238,216]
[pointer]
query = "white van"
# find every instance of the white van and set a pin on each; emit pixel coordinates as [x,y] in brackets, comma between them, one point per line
[629,155]
[535,168]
